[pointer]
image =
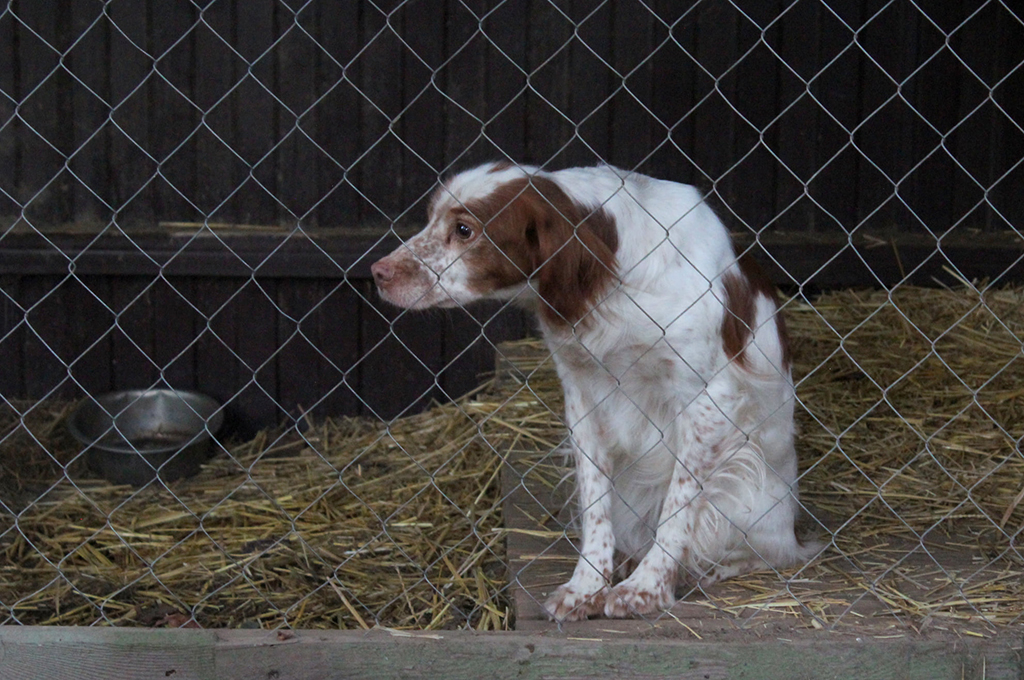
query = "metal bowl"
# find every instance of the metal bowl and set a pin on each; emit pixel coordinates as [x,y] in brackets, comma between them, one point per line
[133,436]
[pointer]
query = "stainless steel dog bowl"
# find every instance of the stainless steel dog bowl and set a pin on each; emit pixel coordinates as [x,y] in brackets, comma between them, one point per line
[133,436]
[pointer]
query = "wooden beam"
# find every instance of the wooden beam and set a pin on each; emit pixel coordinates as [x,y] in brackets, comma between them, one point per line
[40,653]
[820,261]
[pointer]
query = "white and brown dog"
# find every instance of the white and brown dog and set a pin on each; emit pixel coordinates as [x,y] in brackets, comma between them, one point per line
[672,353]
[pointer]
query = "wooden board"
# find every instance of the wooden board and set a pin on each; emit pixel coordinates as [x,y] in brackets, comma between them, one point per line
[821,260]
[388,97]
[12,337]
[42,653]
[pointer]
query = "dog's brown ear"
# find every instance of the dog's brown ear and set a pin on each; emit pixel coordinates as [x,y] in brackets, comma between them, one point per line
[572,251]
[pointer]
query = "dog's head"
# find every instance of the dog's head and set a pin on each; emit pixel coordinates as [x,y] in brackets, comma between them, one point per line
[499,232]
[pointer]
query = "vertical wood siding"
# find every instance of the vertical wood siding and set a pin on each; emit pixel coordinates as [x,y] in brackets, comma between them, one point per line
[807,119]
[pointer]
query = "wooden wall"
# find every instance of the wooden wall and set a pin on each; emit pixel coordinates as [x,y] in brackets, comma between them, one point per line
[863,142]
[274,326]
[807,116]
[271,349]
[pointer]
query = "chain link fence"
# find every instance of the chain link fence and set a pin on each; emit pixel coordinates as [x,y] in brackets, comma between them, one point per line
[193,192]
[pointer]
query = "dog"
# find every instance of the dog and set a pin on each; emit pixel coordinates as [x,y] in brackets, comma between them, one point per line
[672,353]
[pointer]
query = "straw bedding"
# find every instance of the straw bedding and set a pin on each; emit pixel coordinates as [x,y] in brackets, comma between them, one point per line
[911,416]
[351,524]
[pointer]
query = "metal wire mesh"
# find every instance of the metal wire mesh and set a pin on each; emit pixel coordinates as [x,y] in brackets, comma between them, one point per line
[209,117]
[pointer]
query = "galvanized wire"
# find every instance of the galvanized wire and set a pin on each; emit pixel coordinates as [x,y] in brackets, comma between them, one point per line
[111,15]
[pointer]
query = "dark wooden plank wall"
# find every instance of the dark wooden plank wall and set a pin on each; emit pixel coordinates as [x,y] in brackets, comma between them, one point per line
[808,121]
[276,329]
[272,349]
[810,116]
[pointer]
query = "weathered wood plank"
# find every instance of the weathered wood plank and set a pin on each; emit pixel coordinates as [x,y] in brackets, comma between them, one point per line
[252,318]
[90,162]
[46,335]
[12,338]
[631,127]
[506,27]
[715,126]
[176,325]
[470,338]
[351,252]
[166,55]
[41,653]
[340,110]
[133,340]
[10,154]
[298,337]
[296,155]
[537,561]
[162,115]
[591,81]
[422,122]
[337,337]
[401,355]
[40,128]
[752,187]
[548,101]
[219,327]
[378,175]
[88,323]
[463,103]
[133,106]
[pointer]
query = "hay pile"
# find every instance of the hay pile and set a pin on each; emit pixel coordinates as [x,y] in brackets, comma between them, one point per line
[351,525]
[912,410]
[911,416]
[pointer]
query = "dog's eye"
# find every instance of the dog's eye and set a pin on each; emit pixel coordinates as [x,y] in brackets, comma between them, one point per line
[463,231]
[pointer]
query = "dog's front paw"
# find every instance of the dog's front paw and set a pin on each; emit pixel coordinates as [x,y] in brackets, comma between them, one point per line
[638,597]
[570,603]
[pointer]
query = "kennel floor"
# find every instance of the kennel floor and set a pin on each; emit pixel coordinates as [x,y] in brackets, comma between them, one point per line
[861,588]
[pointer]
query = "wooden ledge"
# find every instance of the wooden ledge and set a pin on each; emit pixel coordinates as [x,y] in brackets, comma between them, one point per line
[40,653]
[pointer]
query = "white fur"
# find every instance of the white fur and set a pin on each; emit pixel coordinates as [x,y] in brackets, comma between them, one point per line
[684,460]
